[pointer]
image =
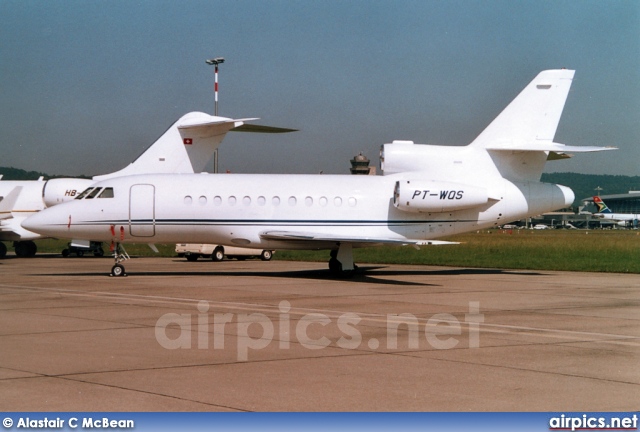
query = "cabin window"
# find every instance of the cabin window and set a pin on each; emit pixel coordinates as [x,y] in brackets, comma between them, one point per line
[188,200]
[93,193]
[292,201]
[84,193]
[246,200]
[352,202]
[308,201]
[337,201]
[106,193]
[275,201]
[232,200]
[323,201]
[202,200]
[262,200]
[217,200]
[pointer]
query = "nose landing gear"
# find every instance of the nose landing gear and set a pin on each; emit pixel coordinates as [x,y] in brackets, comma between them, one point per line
[120,255]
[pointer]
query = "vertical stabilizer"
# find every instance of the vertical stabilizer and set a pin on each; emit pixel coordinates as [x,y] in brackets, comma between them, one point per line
[533,116]
[188,145]
[520,138]
[602,207]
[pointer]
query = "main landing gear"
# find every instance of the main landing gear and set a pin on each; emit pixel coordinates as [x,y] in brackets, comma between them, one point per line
[120,255]
[25,249]
[341,261]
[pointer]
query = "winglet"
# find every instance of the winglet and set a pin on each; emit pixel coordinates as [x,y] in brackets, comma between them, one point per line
[8,202]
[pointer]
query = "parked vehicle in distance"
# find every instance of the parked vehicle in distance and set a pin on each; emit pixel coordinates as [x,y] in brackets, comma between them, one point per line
[540,226]
[193,251]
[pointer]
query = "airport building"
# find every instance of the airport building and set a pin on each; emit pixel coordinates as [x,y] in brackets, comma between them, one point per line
[618,203]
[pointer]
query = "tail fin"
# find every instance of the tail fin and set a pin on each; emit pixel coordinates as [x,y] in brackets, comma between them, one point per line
[533,116]
[602,207]
[520,139]
[188,145]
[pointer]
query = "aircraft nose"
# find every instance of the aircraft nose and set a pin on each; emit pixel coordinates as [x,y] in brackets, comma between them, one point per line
[48,222]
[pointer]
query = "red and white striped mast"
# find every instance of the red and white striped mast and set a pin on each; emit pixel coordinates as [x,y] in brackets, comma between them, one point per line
[215,61]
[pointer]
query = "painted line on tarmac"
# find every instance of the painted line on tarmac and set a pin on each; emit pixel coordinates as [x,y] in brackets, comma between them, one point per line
[576,336]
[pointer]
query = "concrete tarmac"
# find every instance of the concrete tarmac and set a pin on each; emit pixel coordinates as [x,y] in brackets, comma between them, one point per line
[285,336]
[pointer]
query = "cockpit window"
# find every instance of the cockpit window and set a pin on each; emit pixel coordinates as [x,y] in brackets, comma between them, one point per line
[106,193]
[93,193]
[84,193]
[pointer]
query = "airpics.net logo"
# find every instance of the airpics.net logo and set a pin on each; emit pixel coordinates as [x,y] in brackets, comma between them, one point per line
[208,329]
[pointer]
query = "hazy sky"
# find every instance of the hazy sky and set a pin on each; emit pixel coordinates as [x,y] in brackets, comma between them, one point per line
[86,86]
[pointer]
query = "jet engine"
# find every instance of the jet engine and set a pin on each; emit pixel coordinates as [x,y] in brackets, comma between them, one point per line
[423,196]
[60,190]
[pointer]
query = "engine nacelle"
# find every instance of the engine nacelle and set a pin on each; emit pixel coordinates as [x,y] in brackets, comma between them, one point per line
[57,191]
[423,196]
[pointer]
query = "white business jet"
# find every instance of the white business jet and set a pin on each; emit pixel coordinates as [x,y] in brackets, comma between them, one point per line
[186,147]
[426,192]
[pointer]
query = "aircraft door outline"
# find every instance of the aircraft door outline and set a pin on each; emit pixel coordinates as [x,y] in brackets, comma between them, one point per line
[142,213]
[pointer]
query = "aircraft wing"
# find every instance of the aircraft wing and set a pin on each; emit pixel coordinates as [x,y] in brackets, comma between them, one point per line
[297,236]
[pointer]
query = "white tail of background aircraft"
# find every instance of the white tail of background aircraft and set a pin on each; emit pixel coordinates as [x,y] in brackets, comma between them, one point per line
[605,212]
[186,147]
[425,192]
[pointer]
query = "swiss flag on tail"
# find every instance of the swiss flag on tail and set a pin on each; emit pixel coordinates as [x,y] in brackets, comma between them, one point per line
[187,141]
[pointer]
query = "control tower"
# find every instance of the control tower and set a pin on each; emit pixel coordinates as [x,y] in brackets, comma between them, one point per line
[360,166]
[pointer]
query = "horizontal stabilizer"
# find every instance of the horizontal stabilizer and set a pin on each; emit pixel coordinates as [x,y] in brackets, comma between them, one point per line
[548,146]
[261,129]
[225,124]
[222,124]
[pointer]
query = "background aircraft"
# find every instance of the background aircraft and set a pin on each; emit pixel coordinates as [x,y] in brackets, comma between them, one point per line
[186,147]
[426,192]
[605,212]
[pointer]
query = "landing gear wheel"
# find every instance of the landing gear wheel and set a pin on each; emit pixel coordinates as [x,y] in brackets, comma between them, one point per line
[25,249]
[218,254]
[3,250]
[266,255]
[117,270]
[32,248]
